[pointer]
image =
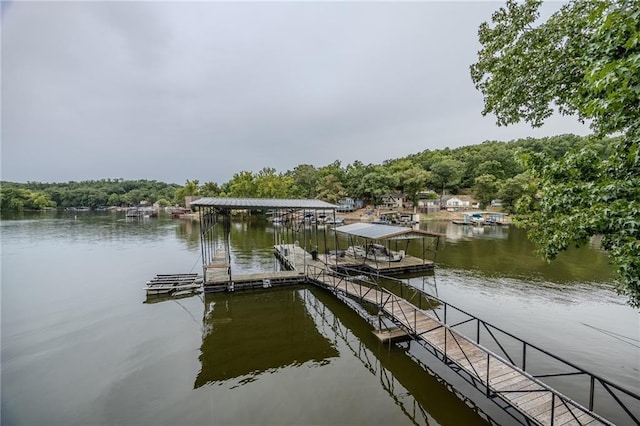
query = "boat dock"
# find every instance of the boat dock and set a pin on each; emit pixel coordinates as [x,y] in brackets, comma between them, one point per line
[295,258]
[503,377]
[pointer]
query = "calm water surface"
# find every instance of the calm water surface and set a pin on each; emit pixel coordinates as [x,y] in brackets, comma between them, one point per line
[79,338]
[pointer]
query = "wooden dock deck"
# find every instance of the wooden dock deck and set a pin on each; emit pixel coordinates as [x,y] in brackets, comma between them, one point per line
[218,278]
[217,275]
[523,392]
[167,284]
[253,281]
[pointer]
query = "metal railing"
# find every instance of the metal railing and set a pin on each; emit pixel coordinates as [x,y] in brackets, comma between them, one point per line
[507,343]
[406,314]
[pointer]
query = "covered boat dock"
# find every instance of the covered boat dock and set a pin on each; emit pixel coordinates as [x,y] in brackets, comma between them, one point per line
[384,249]
[215,238]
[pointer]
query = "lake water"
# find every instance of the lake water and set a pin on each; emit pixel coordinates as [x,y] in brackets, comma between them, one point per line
[82,345]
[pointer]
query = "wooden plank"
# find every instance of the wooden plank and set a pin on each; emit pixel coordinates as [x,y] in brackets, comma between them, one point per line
[503,378]
[568,418]
[543,399]
[497,372]
[473,365]
[528,393]
[543,412]
[515,383]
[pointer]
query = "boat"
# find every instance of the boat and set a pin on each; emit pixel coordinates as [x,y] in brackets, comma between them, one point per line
[338,220]
[481,218]
[134,213]
[376,253]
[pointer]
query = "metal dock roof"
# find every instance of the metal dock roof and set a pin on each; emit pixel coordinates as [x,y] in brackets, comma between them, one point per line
[261,203]
[374,231]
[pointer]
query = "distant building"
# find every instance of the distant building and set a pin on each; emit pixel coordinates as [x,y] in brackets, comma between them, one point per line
[394,201]
[454,203]
[428,202]
[190,199]
[346,205]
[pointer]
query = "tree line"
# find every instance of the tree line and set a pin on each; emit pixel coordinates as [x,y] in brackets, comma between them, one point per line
[91,193]
[486,171]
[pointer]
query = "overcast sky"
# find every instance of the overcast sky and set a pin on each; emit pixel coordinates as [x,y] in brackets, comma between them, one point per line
[202,90]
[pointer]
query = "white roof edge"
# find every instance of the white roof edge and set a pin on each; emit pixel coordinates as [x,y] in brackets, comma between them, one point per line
[262,203]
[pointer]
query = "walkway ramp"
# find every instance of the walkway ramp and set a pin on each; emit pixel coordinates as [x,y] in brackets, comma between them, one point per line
[535,400]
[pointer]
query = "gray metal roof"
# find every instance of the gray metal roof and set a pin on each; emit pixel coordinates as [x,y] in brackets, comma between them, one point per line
[375,231]
[261,203]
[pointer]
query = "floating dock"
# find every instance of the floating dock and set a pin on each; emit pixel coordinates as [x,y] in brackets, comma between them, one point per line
[391,335]
[254,281]
[173,283]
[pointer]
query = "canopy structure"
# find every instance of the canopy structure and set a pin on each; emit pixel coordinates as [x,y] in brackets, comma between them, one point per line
[262,203]
[374,231]
[216,249]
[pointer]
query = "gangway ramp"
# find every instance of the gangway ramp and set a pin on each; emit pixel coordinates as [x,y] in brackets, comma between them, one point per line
[535,400]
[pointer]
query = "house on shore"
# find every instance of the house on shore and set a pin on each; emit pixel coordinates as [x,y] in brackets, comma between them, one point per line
[454,203]
[396,200]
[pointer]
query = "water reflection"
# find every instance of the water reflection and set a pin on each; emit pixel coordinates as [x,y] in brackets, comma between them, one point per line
[506,252]
[249,334]
[80,227]
[458,232]
[265,336]
[421,397]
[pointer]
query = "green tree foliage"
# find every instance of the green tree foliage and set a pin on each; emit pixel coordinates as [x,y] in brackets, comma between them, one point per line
[513,189]
[376,184]
[354,178]
[305,180]
[330,189]
[270,184]
[19,199]
[242,184]
[485,189]
[584,60]
[97,193]
[190,188]
[413,180]
[446,174]
[210,189]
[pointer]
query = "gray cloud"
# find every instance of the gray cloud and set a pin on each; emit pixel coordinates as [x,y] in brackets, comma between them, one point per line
[181,90]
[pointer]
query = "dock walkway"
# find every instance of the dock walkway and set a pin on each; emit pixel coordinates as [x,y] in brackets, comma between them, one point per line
[218,277]
[529,396]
